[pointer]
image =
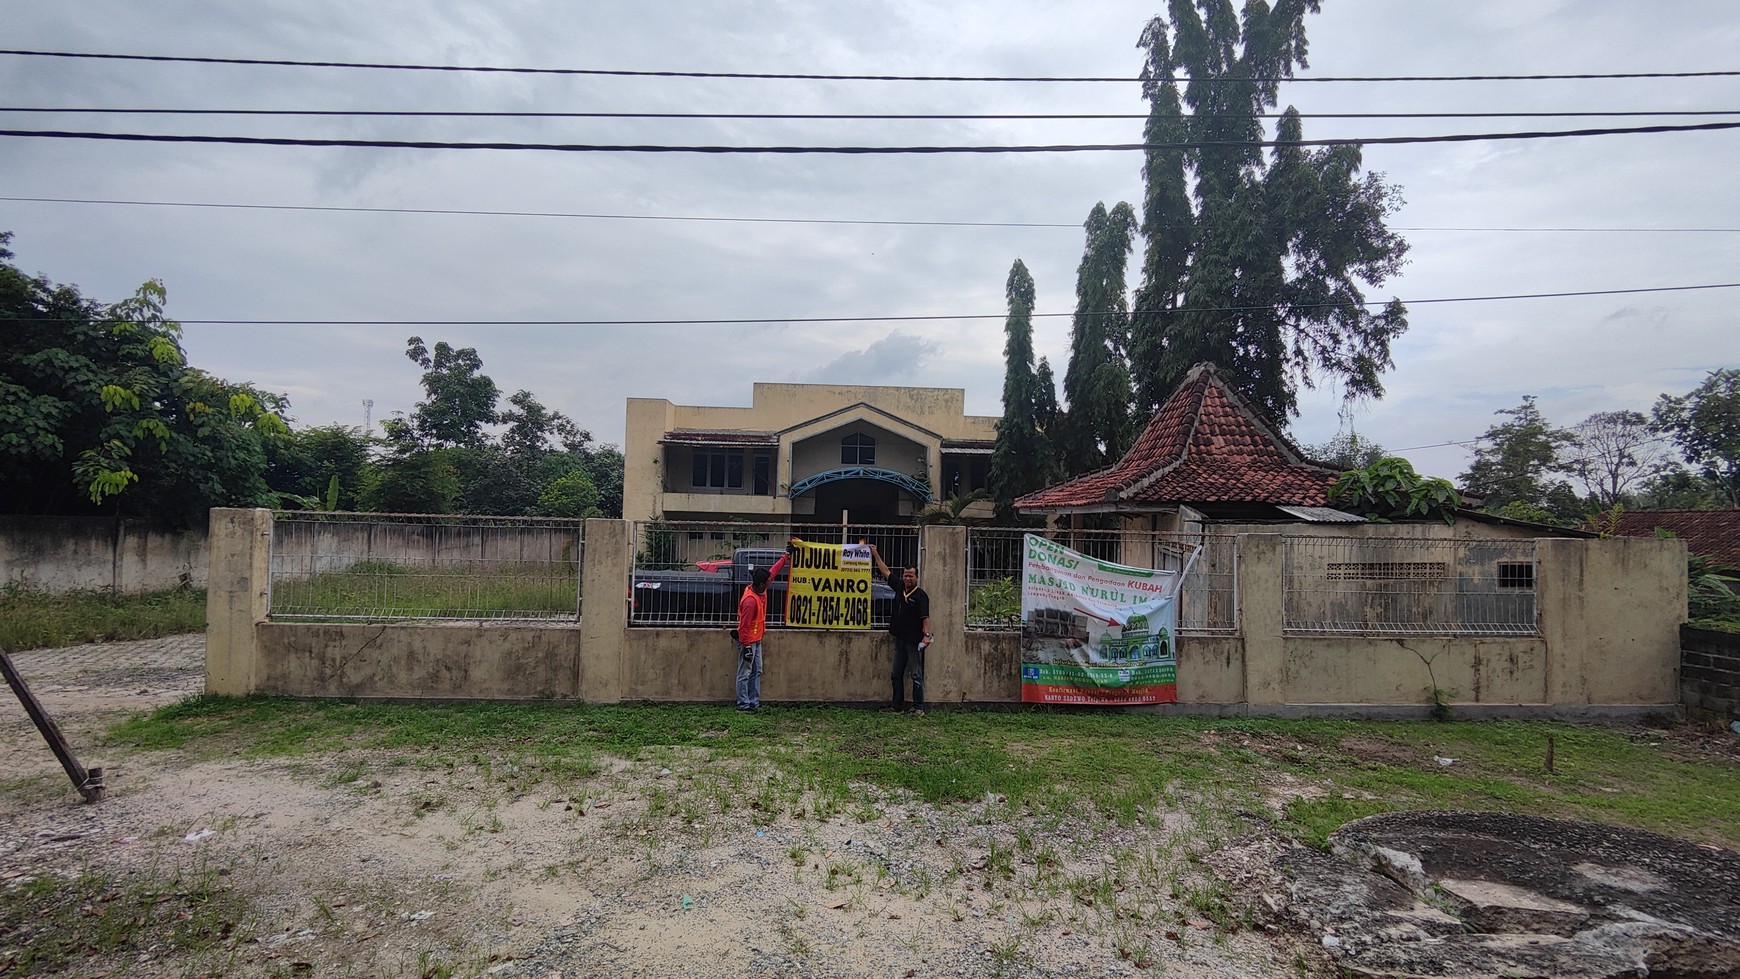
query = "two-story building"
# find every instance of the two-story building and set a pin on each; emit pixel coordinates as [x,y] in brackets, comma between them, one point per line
[805,453]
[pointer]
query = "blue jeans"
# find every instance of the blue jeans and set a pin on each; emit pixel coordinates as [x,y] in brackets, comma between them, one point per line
[749,675]
[908,653]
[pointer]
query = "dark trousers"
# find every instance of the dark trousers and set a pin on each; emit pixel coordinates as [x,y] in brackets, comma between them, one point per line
[908,653]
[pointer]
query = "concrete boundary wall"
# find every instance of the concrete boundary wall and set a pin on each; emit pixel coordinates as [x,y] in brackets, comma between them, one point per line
[60,554]
[1609,646]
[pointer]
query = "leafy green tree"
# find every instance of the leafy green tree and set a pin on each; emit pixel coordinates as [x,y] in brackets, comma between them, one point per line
[1347,450]
[420,481]
[534,431]
[1390,489]
[1096,383]
[1678,488]
[1021,461]
[571,495]
[459,398]
[1514,463]
[471,472]
[304,463]
[604,465]
[1253,264]
[100,410]
[1705,424]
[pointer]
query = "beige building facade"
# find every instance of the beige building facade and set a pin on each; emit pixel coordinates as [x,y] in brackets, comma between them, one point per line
[805,453]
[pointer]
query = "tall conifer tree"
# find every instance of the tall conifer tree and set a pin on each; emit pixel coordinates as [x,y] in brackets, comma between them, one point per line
[1259,266]
[1021,462]
[1096,383]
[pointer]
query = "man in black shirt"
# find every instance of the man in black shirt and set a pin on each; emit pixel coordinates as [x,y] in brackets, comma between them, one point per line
[910,627]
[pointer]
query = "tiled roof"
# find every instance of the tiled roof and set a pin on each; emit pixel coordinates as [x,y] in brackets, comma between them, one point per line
[1714,533]
[1206,444]
[701,436]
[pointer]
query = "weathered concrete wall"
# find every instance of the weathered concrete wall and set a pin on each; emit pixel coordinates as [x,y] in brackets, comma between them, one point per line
[236,600]
[1710,672]
[990,667]
[457,661]
[1610,613]
[1362,670]
[60,554]
[797,665]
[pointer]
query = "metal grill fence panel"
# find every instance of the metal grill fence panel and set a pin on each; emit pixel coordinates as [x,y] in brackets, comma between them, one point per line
[1208,604]
[341,566]
[1409,587]
[685,572]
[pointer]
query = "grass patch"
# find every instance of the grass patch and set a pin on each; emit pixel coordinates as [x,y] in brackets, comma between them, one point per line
[31,618]
[1318,774]
[51,924]
[385,589]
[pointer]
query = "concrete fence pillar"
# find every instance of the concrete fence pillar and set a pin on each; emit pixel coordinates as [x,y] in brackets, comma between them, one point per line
[1610,612]
[237,596]
[1262,616]
[609,559]
[943,561]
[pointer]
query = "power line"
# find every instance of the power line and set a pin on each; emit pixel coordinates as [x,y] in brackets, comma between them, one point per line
[555,214]
[808,76]
[842,116]
[919,318]
[727,219]
[859,150]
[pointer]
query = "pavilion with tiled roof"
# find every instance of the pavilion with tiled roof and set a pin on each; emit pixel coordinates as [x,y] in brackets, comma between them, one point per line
[1207,448]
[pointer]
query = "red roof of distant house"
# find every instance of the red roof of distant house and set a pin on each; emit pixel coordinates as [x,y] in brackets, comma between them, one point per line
[1206,444]
[1714,533]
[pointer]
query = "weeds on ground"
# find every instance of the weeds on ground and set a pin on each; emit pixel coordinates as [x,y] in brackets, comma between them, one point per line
[34,619]
[1045,766]
[52,922]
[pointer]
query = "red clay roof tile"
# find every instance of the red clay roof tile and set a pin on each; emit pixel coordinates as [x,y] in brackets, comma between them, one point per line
[1714,533]
[1206,444]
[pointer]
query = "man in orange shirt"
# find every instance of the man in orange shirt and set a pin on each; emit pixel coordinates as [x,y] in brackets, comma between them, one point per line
[751,627]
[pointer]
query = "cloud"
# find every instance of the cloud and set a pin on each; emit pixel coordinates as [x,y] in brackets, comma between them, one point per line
[894,359]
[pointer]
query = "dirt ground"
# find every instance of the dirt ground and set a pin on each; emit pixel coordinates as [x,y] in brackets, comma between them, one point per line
[351,865]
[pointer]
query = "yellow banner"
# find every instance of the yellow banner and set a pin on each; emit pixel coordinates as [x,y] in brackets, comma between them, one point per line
[829,587]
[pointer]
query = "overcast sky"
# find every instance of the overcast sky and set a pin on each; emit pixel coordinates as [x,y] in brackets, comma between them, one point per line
[1458,363]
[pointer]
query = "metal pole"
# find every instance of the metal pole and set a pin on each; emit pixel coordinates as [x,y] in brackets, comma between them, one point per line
[89,782]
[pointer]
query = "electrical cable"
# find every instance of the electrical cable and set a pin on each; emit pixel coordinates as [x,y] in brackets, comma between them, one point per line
[798,76]
[919,318]
[844,116]
[726,219]
[861,150]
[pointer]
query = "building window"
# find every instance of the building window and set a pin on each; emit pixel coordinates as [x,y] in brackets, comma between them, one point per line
[763,474]
[1516,574]
[857,450]
[717,469]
